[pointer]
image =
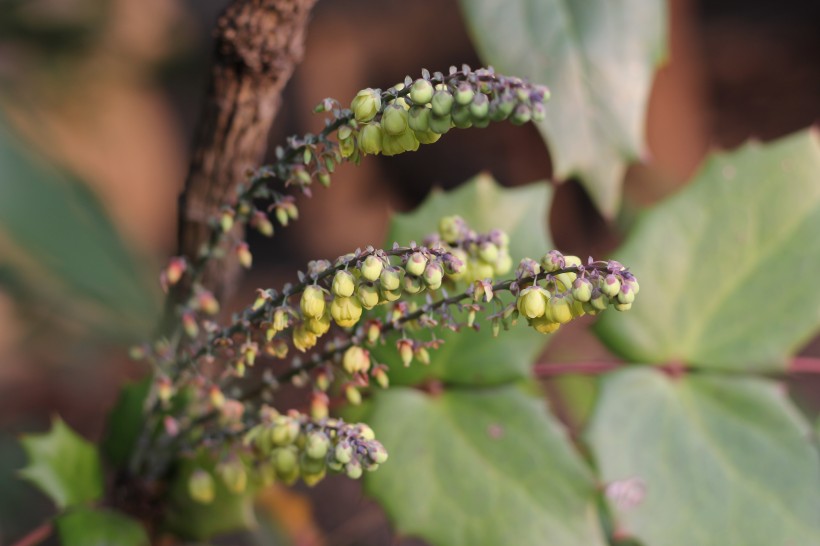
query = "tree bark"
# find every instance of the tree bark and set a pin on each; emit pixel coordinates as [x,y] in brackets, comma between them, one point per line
[257,45]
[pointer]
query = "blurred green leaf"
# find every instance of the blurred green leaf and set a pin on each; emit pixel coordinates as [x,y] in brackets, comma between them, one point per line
[125,422]
[63,254]
[598,57]
[194,520]
[87,527]
[63,465]
[728,267]
[480,467]
[723,461]
[472,357]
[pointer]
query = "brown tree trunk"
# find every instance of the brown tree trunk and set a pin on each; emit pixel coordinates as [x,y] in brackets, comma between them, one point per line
[257,45]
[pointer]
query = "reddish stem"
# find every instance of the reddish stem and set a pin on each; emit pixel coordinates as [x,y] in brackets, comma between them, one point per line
[36,536]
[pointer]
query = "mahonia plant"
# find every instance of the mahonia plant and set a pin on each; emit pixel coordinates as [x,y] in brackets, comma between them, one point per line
[324,326]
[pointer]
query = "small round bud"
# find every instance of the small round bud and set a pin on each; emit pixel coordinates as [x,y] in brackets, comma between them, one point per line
[521,115]
[419,119]
[344,283]
[317,445]
[488,252]
[480,106]
[201,486]
[371,268]
[421,92]
[450,228]
[284,432]
[464,94]
[455,264]
[343,452]
[427,137]
[366,105]
[370,139]
[433,276]
[532,302]
[233,475]
[391,295]
[560,309]
[633,284]
[319,326]
[416,264]
[368,295]
[405,347]
[354,397]
[281,320]
[390,278]
[544,325]
[598,300]
[440,124]
[539,112]
[313,302]
[442,103]
[285,460]
[503,264]
[610,285]
[394,120]
[377,453]
[346,311]
[582,289]
[552,261]
[461,117]
[623,306]
[356,360]
[413,284]
[626,295]
[353,469]
[366,432]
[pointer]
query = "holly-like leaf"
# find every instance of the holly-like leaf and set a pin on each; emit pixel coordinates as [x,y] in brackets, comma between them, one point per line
[60,252]
[728,267]
[87,527]
[125,422]
[598,57]
[470,357]
[63,465]
[480,467]
[706,460]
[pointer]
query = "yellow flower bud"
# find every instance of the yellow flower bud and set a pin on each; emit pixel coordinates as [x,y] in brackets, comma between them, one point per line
[368,295]
[344,283]
[356,360]
[544,325]
[346,311]
[421,92]
[559,309]
[416,264]
[303,339]
[201,486]
[371,268]
[370,139]
[313,302]
[366,105]
[394,120]
[532,302]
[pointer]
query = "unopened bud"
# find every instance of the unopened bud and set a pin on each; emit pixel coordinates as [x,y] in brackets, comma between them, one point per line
[201,486]
[366,105]
[346,311]
[419,119]
[176,268]
[532,302]
[344,284]
[582,289]
[390,278]
[356,360]
[610,285]
[189,324]
[370,139]
[354,397]
[442,103]
[368,295]
[303,339]
[421,92]
[416,264]
[440,124]
[371,268]
[464,94]
[394,120]
[433,276]
[313,302]
[244,255]
[405,347]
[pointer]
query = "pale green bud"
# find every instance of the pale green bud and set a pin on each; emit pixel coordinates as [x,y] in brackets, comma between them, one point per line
[464,94]
[488,252]
[390,278]
[371,268]
[368,295]
[317,444]
[233,475]
[442,103]
[559,309]
[565,280]
[461,117]
[303,339]
[480,106]
[391,295]
[285,460]
[610,285]
[343,452]
[416,263]
[319,326]
[623,306]
[503,264]
[440,124]
[377,452]
[344,283]
[521,115]
[366,105]
[532,302]
[450,227]
[544,324]
[427,137]
[284,431]
[433,276]
[346,311]
[394,145]
[313,302]
[412,284]
[480,270]
[370,139]
[394,120]
[421,92]
[353,469]
[626,295]
[582,289]
[598,300]
[419,119]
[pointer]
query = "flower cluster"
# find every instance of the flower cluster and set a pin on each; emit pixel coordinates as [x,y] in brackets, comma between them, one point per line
[560,288]
[486,255]
[419,112]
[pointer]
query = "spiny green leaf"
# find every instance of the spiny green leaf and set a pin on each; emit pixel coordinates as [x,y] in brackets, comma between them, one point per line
[470,357]
[723,461]
[63,465]
[480,467]
[598,57]
[86,527]
[728,267]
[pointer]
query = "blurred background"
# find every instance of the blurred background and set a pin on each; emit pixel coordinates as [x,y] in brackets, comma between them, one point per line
[98,104]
